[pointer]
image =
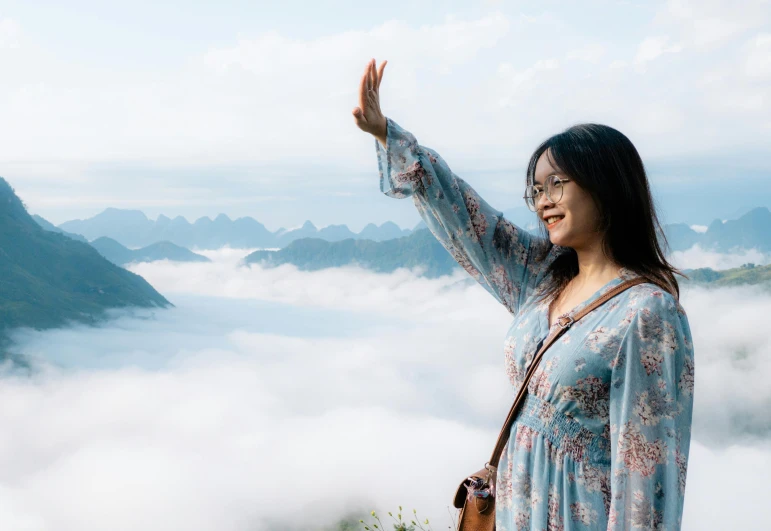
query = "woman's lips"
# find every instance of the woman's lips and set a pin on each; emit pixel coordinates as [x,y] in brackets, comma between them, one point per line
[552,225]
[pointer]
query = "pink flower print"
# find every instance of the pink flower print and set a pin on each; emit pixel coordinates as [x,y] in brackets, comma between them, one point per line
[522,485]
[596,479]
[463,261]
[604,341]
[504,485]
[508,292]
[612,517]
[644,515]
[540,384]
[477,222]
[686,377]
[524,437]
[682,467]
[637,454]
[522,521]
[510,361]
[591,394]
[651,360]
[554,521]
[583,512]
[651,406]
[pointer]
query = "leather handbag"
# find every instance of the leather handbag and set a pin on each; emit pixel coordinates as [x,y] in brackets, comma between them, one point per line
[475,496]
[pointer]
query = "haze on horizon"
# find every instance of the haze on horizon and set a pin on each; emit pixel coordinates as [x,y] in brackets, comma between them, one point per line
[237,108]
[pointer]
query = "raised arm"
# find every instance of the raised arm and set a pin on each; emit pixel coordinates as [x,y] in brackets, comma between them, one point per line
[499,255]
[507,261]
[651,408]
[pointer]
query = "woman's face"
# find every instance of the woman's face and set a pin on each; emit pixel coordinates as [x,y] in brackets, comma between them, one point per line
[578,216]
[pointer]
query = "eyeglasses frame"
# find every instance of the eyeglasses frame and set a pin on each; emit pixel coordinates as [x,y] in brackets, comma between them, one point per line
[559,179]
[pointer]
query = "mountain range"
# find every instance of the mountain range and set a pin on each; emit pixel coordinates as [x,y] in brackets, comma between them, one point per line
[132,228]
[122,256]
[48,279]
[750,231]
[419,249]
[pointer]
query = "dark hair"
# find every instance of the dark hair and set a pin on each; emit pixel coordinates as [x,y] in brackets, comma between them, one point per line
[604,163]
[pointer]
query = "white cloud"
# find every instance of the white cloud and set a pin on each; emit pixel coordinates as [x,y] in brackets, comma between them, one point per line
[202,406]
[713,485]
[260,380]
[591,53]
[483,91]
[707,23]
[699,228]
[758,63]
[697,257]
[654,47]
[10,33]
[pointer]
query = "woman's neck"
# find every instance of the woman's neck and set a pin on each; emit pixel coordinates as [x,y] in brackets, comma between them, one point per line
[594,267]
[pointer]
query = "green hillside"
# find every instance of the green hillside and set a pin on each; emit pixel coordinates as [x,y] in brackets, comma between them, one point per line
[48,279]
[746,274]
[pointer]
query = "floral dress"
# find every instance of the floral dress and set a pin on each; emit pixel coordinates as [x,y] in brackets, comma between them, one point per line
[602,439]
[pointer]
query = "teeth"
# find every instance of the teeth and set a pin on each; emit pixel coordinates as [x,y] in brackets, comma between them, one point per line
[553,219]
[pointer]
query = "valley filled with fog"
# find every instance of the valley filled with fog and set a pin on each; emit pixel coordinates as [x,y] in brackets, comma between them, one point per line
[277,398]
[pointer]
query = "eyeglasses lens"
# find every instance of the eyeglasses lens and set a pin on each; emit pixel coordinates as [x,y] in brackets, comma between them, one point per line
[553,189]
[530,198]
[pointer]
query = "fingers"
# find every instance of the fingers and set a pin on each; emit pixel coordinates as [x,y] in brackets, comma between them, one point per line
[363,90]
[380,74]
[372,74]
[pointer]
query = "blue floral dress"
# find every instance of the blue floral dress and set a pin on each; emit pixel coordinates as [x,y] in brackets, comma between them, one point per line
[602,439]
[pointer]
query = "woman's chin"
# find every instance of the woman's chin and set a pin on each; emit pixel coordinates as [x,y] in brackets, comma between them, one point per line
[557,240]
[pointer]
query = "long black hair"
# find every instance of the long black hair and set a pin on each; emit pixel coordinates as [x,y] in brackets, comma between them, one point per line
[605,163]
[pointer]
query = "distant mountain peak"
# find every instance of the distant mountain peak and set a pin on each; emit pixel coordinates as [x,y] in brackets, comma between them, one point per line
[309,225]
[113,213]
[12,208]
[760,213]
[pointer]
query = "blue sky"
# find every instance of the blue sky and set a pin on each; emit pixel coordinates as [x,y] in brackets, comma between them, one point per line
[193,109]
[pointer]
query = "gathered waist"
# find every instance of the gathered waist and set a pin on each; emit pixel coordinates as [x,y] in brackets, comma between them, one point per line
[565,433]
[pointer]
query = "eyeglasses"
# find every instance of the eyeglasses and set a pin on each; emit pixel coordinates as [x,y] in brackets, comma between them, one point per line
[552,188]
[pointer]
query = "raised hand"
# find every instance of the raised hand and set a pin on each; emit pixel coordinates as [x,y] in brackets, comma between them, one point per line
[368,115]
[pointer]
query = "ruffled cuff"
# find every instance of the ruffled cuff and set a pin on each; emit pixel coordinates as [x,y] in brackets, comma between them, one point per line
[399,163]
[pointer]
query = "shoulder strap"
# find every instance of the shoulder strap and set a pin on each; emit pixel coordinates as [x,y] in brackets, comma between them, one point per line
[564,324]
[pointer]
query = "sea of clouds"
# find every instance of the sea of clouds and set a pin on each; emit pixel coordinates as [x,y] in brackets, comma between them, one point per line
[283,399]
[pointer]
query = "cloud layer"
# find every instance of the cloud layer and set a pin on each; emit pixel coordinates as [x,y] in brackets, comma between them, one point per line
[329,389]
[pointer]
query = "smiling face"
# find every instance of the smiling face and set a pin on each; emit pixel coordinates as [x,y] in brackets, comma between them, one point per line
[578,222]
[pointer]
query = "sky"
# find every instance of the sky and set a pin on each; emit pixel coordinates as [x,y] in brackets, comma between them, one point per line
[324,392]
[244,108]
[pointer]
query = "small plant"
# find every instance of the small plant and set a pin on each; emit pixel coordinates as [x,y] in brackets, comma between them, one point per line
[400,524]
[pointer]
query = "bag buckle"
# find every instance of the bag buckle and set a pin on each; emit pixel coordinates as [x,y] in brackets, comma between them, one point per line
[568,321]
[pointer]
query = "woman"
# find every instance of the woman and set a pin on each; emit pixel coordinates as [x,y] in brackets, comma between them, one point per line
[602,439]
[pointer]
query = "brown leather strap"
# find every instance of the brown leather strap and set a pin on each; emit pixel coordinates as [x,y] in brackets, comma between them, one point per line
[564,324]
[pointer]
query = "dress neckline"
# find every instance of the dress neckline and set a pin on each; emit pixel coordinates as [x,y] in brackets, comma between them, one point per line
[624,274]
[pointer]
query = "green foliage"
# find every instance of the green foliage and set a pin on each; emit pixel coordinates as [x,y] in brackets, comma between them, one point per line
[399,524]
[745,274]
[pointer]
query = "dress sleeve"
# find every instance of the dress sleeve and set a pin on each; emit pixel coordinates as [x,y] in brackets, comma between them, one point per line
[651,407]
[502,257]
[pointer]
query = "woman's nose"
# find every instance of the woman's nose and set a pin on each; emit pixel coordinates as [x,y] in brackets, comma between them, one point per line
[542,201]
